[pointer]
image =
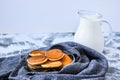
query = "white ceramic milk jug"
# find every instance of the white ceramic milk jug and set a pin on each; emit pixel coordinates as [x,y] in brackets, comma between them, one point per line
[89,32]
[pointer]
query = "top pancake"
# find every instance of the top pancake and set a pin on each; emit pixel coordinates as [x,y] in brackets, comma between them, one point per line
[54,54]
[37,52]
[36,60]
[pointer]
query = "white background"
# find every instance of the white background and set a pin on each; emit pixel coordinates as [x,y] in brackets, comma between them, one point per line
[36,16]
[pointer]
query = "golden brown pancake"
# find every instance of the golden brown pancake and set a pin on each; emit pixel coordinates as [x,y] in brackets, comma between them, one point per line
[37,52]
[66,60]
[37,68]
[36,60]
[54,54]
[51,64]
[33,66]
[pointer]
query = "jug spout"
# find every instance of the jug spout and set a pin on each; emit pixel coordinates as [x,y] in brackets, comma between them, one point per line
[85,14]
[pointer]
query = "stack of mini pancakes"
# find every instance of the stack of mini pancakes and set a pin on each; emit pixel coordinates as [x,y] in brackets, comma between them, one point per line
[53,59]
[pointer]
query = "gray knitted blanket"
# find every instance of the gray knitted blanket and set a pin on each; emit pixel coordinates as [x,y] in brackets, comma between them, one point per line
[88,65]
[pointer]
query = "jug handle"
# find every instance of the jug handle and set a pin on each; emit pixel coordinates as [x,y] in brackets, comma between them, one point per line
[110,33]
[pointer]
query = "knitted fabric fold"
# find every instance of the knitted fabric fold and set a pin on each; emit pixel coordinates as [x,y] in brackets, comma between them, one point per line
[89,65]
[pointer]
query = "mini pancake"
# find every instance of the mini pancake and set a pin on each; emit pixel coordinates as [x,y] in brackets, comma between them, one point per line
[66,60]
[33,66]
[36,60]
[51,64]
[37,68]
[54,54]
[37,52]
